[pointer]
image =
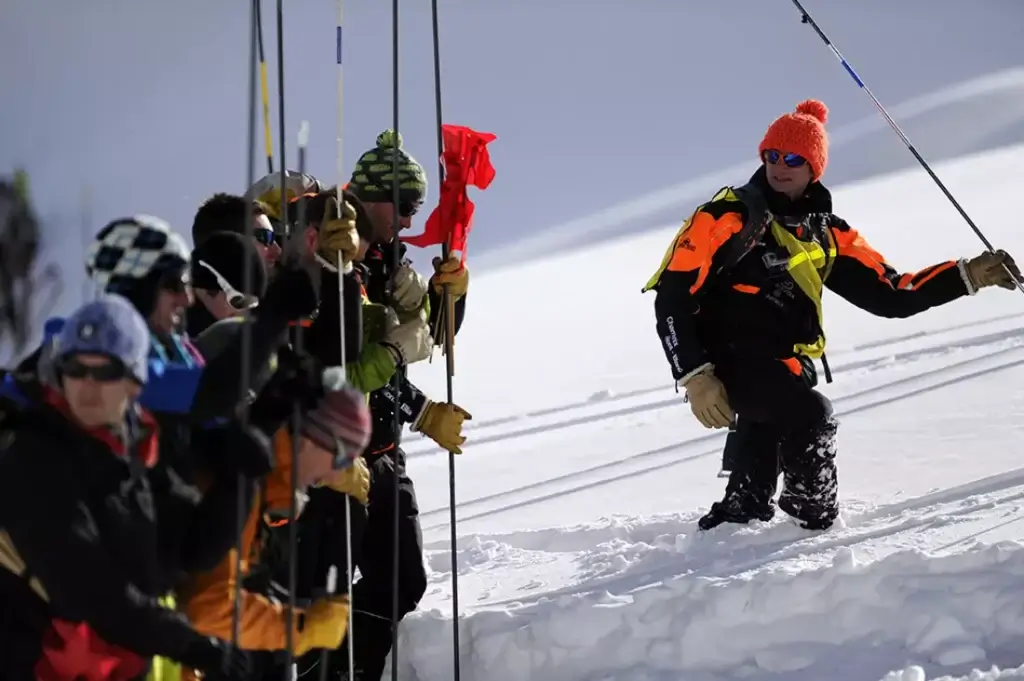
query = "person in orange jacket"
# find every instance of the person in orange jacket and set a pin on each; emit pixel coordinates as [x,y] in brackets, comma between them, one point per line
[739,313]
[332,438]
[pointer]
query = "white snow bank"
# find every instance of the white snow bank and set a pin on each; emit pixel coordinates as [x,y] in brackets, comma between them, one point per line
[994,674]
[947,613]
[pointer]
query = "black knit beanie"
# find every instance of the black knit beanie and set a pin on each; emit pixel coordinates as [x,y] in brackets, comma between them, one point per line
[226,254]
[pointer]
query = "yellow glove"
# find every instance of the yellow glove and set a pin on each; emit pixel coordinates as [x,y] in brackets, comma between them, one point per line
[450,272]
[324,625]
[708,400]
[442,423]
[338,233]
[353,481]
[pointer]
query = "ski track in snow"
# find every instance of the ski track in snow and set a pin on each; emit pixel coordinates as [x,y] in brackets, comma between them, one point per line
[996,358]
[604,399]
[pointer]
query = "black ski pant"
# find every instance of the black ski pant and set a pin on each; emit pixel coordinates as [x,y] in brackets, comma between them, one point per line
[784,424]
[372,594]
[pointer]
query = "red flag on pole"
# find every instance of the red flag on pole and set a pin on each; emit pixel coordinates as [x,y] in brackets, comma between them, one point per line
[466,162]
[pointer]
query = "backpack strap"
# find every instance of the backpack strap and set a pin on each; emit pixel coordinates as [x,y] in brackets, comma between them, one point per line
[754,226]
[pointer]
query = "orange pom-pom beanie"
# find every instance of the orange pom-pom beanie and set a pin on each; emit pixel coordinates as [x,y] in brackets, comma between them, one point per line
[801,132]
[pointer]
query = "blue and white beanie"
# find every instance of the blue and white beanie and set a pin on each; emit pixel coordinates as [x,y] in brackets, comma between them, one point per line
[109,326]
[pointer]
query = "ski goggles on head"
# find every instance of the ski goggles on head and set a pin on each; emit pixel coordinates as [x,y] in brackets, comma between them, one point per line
[108,372]
[773,156]
[236,298]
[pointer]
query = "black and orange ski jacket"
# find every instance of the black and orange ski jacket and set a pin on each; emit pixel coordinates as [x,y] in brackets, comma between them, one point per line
[744,276]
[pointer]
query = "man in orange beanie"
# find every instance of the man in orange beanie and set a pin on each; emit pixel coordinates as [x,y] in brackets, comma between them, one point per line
[739,313]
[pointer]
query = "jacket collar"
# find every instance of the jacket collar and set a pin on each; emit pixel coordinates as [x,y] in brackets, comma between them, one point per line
[816,199]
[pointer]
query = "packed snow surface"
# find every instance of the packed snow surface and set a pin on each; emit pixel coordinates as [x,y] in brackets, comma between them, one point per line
[584,475]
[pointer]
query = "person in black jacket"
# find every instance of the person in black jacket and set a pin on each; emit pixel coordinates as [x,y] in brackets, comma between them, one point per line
[411,297]
[739,314]
[79,555]
[195,397]
[230,213]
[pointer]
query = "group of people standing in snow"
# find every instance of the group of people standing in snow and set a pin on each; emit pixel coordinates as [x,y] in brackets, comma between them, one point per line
[129,436]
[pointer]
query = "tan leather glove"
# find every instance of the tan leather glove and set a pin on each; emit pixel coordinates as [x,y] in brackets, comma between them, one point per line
[442,423]
[410,289]
[324,625]
[353,481]
[708,400]
[410,342]
[338,233]
[450,272]
[993,269]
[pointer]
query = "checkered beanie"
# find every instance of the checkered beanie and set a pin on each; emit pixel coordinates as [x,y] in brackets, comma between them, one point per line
[374,173]
[129,256]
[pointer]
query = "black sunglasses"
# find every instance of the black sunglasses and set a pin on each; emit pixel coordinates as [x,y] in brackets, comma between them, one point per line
[407,209]
[773,156]
[265,237]
[108,372]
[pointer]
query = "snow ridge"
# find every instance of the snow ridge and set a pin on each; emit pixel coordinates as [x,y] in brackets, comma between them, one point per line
[796,619]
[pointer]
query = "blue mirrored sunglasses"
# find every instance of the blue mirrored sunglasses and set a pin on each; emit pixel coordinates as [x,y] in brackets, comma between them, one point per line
[264,236]
[773,156]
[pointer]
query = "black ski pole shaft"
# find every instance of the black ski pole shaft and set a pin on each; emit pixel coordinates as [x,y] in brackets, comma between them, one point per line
[293,505]
[241,503]
[296,425]
[397,378]
[807,19]
[447,315]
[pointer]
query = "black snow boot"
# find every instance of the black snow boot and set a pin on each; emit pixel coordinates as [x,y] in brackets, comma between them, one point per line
[754,449]
[810,491]
[736,509]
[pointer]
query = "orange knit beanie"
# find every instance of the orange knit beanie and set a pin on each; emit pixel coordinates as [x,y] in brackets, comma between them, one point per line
[801,132]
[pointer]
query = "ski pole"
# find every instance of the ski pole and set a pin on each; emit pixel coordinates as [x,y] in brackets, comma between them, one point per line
[293,506]
[296,426]
[397,378]
[268,142]
[807,19]
[241,507]
[350,635]
[448,314]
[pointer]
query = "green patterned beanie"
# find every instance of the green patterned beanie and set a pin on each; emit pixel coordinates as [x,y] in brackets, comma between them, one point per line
[372,178]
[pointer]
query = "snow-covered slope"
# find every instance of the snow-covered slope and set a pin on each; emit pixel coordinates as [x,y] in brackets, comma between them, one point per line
[584,476]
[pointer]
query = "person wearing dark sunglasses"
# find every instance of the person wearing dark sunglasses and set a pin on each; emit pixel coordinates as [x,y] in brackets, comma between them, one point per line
[371,182]
[739,315]
[236,214]
[79,549]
